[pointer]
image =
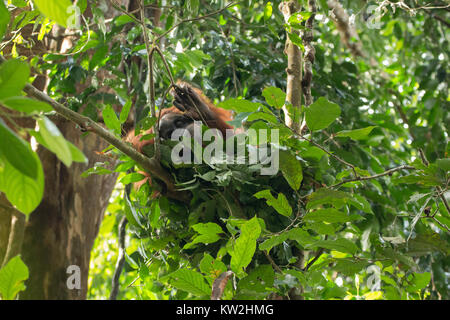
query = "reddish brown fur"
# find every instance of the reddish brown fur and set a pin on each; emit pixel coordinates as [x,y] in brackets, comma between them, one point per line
[219,122]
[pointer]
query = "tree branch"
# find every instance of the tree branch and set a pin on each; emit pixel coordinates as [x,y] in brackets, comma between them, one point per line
[387,172]
[150,165]
[348,33]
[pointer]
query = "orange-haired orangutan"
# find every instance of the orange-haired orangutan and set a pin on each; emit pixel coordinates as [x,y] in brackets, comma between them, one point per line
[189,105]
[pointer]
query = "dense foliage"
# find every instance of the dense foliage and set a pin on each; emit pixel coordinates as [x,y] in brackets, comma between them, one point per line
[358,209]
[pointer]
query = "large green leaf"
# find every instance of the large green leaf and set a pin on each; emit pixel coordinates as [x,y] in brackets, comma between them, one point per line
[77,155]
[297,234]
[257,284]
[280,204]
[331,215]
[55,141]
[13,77]
[291,169]
[444,164]
[239,105]
[274,96]
[357,134]
[190,281]
[350,267]
[17,152]
[245,245]
[207,233]
[321,114]
[56,10]
[22,191]
[125,111]
[4,19]
[110,119]
[12,277]
[27,105]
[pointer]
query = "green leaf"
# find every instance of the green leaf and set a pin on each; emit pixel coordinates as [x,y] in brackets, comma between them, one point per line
[358,134]
[291,169]
[418,281]
[341,245]
[132,177]
[12,277]
[301,236]
[121,20]
[193,6]
[27,105]
[23,192]
[321,114]
[273,241]
[268,11]
[337,199]
[110,119]
[239,105]
[125,111]
[54,140]
[395,255]
[297,18]
[444,164]
[295,39]
[424,244]
[56,10]
[245,245]
[4,19]
[350,267]
[17,152]
[257,284]
[429,180]
[262,116]
[190,281]
[331,215]
[274,96]
[77,154]
[207,233]
[13,77]
[280,204]
[321,228]
[211,267]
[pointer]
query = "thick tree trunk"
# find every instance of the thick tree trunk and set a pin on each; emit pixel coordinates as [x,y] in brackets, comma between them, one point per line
[62,230]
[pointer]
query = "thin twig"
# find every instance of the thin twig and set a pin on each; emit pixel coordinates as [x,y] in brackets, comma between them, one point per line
[316,257]
[196,19]
[151,80]
[387,172]
[119,8]
[166,65]
[275,266]
[120,258]
[440,223]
